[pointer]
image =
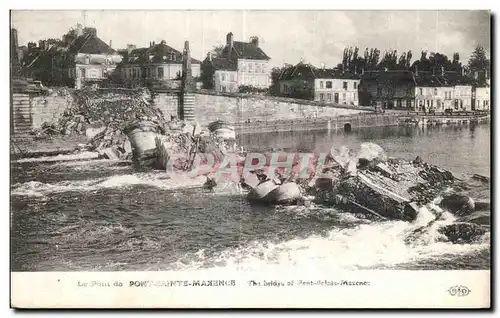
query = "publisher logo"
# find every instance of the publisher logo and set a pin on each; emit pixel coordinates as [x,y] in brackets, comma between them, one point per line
[459,291]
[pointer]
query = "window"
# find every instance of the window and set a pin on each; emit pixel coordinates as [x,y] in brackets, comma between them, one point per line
[354,96]
[329,97]
[328,84]
[432,103]
[456,103]
[428,103]
[399,103]
[263,68]
[250,67]
[484,103]
[82,73]
[320,84]
[461,103]
[420,91]
[232,77]
[344,85]
[160,72]
[438,103]
[257,68]
[355,85]
[321,97]
[223,89]
[343,97]
[223,77]
[435,91]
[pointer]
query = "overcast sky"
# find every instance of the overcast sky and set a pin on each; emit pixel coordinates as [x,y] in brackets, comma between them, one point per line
[286,36]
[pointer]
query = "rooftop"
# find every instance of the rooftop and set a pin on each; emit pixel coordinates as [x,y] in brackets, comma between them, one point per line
[246,50]
[303,71]
[157,54]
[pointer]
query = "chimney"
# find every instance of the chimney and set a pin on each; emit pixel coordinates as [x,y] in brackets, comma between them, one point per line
[255,41]
[229,43]
[111,43]
[163,42]
[42,44]
[209,56]
[79,30]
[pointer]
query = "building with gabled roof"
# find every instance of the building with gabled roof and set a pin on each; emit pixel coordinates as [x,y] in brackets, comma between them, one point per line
[240,64]
[80,59]
[327,85]
[156,64]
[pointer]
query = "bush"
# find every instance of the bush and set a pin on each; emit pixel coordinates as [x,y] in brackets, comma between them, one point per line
[251,89]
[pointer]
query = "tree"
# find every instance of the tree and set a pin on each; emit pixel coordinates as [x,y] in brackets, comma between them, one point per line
[478,61]
[217,51]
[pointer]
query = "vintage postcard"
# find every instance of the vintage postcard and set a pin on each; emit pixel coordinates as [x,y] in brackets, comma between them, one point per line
[250,159]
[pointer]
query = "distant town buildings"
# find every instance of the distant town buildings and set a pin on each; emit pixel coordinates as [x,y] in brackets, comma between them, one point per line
[80,58]
[240,64]
[158,63]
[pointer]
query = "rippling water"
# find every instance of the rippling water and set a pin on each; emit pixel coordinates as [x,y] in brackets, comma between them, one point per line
[101,215]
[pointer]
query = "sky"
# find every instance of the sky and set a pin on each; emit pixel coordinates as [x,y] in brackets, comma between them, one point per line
[286,36]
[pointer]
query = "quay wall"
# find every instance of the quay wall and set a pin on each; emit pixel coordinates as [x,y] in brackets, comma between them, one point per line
[248,113]
[339,123]
[31,111]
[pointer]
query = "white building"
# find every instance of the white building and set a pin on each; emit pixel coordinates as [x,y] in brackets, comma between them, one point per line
[337,89]
[462,97]
[241,64]
[482,99]
[324,85]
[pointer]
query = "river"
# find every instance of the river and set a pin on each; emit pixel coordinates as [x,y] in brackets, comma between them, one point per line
[100,215]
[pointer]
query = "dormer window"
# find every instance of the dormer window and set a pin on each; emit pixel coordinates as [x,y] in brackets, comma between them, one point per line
[87,59]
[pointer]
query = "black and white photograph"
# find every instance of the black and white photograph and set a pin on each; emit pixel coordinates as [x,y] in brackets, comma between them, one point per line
[214,141]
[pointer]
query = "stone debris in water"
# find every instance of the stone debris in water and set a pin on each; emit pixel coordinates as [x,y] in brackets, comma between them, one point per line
[461,232]
[368,179]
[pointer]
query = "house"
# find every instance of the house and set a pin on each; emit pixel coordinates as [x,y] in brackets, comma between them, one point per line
[156,64]
[387,89]
[336,86]
[434,91]
[93,60]
[325,85]
[298,81]
[416,90]
[240,64]
[482,98]
[481,91]
[80,59]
